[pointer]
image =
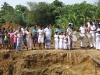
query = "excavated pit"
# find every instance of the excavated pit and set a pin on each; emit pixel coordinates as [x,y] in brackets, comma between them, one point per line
[48,63]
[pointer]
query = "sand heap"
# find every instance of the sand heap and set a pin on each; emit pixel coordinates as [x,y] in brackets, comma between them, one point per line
[9,25]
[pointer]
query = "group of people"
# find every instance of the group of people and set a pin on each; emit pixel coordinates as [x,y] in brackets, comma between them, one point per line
[42,37]
[91,32]
[10,39]
[86,33]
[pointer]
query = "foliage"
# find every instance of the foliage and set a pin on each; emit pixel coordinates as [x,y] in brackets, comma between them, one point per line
[55,13]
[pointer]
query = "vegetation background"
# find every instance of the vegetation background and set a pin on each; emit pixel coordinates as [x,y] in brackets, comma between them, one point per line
[55,13]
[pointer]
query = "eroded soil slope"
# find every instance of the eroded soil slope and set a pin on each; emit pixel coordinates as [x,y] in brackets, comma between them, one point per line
[52,62]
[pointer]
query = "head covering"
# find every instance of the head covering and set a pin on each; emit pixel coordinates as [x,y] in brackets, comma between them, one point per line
[99,23]
[98,29]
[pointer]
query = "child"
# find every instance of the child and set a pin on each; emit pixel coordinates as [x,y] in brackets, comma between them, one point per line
[15,41]
[98,39]
[69,42]
[11,34]
[6,40]
[56,36]
[61,37]
[65,42]
[0,39]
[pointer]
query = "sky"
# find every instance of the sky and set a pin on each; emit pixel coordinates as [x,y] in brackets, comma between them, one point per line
[24,2]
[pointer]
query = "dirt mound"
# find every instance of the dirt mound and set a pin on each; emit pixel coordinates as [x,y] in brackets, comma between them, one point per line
[47,63]
[9,25]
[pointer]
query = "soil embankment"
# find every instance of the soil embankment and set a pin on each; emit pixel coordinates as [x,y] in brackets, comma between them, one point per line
[48,62]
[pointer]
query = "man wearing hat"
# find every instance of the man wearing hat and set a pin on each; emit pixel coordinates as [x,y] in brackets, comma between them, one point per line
[69,30]
[92,32]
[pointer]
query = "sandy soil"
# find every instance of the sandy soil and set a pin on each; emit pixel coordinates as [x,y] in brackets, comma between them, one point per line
[49,62]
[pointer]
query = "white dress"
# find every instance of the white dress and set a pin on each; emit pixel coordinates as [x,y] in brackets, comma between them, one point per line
[69,31]
[56,41]
[61,37]
[65,42]
[40,36]
[97,41]
[29,40]
[93,35]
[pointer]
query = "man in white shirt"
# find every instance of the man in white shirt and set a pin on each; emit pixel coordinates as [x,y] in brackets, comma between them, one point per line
[93,35]
[48,35]
[82,34]
[69,30]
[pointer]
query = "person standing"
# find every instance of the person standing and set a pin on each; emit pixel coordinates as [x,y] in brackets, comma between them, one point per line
[93,35]
[69,30]
[48,35]
[65,41]
[23,29]
[11,34]
[58,29]
[29,39]
[98,40]
[82,34]
[35,36]
[61,38]
[41,38]
[6,40]
[3,35]
[19,35]
[0,39]
[56,41]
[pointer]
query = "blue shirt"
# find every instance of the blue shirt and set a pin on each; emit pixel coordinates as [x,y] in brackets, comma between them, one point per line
[35,32]
[59,30]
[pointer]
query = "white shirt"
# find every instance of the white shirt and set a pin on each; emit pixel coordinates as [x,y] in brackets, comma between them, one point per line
[41,33]
[82,29]
[48,31]
[23,30]
[97,37]
[61,37]
[65,38]
[69,30]
[18,34]
[56,37]
[92,28]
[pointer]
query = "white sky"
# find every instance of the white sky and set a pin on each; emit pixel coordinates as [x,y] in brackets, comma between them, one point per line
[24,2]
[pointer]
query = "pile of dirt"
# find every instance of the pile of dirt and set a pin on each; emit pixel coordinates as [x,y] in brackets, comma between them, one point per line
[9,25]
[47,63]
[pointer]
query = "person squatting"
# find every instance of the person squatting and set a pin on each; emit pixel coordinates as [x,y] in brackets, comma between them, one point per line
[10,39]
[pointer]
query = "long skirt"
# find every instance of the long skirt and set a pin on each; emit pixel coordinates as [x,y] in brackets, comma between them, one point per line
[64,45]
[56,44]
[98,44]
[29,43]
[11,41]
[60,44]
[18,45]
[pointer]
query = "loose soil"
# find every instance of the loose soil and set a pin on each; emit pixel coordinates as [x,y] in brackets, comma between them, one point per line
[49,62]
